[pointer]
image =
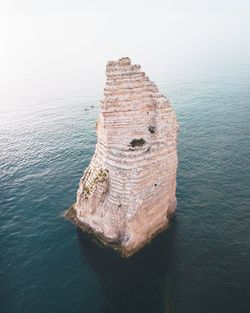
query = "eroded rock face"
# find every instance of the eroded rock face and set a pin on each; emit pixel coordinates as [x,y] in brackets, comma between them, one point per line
[127,193]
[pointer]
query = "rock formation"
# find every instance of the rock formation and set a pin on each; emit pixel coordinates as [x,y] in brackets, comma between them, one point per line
[127,193]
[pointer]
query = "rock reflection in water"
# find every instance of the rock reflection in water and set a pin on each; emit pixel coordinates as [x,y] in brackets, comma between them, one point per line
[141,283]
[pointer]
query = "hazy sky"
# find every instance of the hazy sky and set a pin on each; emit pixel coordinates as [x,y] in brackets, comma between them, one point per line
[59,35]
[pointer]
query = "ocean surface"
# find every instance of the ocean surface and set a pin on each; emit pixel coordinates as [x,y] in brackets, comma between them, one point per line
[201,264]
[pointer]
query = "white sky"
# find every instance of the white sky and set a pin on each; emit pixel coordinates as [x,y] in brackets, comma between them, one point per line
[60,35]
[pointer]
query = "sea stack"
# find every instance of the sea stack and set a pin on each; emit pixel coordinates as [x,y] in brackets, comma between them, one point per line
[128,191]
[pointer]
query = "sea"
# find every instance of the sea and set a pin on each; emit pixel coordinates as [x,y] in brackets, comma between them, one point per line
[201,264]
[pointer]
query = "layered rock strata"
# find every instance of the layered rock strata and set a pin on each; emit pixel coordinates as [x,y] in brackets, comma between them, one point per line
[127,193]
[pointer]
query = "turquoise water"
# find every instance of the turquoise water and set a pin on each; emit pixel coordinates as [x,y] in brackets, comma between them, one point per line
[201,264]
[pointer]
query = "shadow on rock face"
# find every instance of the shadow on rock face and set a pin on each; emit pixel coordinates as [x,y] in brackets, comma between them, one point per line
[141,283]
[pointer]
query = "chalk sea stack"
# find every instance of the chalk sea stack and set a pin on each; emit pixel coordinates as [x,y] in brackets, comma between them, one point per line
[127,193]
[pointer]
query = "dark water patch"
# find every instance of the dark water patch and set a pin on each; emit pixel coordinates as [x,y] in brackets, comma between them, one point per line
[141,283]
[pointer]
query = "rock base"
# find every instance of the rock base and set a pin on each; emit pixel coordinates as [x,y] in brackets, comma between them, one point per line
[71,215]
